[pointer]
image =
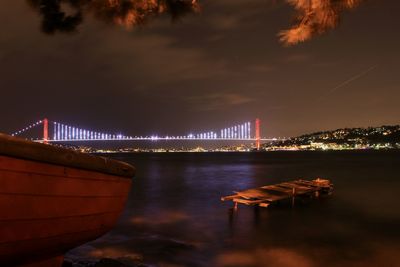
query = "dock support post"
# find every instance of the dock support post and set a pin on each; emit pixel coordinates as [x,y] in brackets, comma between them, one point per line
[293,195]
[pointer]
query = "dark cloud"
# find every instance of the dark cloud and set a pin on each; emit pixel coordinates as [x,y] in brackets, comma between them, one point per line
[219,101]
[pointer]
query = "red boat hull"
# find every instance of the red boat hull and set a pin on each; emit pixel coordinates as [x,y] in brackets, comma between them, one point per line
[47,209]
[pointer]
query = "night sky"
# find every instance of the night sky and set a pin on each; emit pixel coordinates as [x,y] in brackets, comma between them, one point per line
[220,66]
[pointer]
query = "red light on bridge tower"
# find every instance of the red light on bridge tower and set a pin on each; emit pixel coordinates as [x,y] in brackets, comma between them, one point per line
[258,138]
[45,130]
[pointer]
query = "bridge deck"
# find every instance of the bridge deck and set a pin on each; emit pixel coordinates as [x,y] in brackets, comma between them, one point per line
[266,195]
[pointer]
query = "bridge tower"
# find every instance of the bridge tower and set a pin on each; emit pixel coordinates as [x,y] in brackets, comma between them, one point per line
[45,130]
[258,145]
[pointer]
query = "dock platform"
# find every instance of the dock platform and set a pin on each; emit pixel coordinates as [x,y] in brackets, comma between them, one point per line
[266,195]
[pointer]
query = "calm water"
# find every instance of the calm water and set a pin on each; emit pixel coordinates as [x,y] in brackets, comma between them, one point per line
[174,216]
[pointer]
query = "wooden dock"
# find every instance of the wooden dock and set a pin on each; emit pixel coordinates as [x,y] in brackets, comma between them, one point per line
[266,195]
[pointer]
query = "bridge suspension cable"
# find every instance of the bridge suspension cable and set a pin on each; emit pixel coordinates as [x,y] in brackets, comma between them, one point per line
[27,128]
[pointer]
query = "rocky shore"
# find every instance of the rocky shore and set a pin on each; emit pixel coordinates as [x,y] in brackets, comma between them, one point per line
[106,262]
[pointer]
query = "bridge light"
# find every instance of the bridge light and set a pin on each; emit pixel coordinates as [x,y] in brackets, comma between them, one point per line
[57,131]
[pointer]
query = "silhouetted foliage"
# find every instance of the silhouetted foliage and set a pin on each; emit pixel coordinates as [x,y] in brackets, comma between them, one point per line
[127,13]
[313,16]
[54,19]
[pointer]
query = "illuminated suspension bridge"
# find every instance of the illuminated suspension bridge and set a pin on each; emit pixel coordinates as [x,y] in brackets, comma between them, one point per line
[59,132]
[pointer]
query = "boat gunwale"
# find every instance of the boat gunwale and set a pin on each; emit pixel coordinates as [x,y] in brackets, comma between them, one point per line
[23,149]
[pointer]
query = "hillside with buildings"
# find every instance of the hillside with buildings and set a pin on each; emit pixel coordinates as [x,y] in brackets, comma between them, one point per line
[384,137]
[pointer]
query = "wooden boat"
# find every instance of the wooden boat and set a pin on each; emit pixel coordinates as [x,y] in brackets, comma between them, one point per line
[53,199]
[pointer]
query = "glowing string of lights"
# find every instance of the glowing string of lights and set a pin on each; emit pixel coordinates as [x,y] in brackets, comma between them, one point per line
[31,126]
[63,132]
